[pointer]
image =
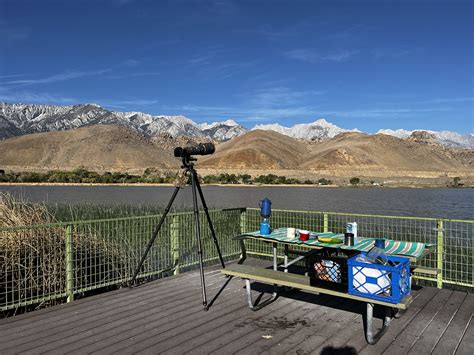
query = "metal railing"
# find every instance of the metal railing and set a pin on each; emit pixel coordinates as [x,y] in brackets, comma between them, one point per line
[47,263]
[44,264]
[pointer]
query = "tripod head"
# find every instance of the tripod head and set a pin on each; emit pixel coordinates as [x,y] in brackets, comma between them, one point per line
[187,162]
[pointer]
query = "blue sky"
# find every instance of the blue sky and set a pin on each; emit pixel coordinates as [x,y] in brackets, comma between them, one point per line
[365,64]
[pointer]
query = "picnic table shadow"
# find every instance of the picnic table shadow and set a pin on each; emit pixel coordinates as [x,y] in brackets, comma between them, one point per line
[325,300]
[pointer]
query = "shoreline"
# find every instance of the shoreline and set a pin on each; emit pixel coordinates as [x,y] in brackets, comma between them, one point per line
[226,185]
[161,184]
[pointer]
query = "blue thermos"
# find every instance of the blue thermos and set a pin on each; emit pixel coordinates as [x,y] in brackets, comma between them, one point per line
[265,212]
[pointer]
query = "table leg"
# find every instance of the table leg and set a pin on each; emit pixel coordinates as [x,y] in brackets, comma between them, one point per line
[275,258]
[286,258]
[256,307]
[243,254]
[369,335]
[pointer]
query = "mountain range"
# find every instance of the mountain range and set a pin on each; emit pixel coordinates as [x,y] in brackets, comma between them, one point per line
[20,119]
[412,161]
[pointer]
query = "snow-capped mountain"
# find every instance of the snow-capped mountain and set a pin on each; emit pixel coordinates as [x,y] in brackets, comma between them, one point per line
[227,129]
[448,138]
[318,130]
[19,119]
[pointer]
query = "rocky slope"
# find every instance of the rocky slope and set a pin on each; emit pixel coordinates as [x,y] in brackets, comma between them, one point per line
[258,150]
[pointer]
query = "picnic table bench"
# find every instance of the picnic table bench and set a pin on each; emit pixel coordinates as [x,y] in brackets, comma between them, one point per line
[302,282]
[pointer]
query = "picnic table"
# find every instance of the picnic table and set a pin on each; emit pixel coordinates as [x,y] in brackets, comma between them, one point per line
[278,237]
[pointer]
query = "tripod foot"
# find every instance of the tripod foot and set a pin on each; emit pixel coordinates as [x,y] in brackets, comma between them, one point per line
[206,308]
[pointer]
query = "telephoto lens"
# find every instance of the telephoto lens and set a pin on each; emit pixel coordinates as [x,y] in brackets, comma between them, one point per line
[200,149]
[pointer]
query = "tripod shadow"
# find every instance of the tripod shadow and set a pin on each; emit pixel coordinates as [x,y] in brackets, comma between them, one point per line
[229,278]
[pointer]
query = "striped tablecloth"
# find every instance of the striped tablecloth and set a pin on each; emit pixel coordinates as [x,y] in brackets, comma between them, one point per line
[392,247]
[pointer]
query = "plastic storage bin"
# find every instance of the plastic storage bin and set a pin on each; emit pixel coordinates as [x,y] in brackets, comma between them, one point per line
[328,271]
[384,283]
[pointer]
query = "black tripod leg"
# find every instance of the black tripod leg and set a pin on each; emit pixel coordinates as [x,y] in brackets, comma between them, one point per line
[198,239]
[155,234]
[211,227]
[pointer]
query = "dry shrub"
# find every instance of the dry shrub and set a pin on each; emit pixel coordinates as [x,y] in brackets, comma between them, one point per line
[33,256]
[15,212]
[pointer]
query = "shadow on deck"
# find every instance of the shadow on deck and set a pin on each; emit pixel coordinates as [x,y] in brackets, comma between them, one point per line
[166,316]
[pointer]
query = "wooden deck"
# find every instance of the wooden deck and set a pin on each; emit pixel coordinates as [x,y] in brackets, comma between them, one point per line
[166,316]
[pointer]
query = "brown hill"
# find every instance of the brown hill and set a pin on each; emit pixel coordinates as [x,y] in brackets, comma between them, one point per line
[99,147]
[116,148]
[258,150]
[362,151]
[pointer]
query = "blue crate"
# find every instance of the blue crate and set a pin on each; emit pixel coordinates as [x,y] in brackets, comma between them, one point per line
[380,282]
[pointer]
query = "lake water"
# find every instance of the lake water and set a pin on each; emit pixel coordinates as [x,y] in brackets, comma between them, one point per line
[435,202]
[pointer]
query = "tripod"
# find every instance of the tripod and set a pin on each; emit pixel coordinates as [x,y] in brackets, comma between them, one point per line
[188,167]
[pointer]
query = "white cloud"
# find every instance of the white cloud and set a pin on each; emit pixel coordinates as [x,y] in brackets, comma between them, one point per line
[58,77]
[31,97]
[280,96]
[314,57]
[126,104]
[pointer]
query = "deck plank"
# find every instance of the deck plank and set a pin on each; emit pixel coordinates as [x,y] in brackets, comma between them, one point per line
[438,326]
[166,316]
[453,334]
[102,330]
[126,335]
[90,312]
[408,337]
[29,317]
[397,326]
[279,330]
[314,319]
[467,345]
[93,309]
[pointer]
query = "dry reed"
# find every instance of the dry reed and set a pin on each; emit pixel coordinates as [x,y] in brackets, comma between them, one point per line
[33,258]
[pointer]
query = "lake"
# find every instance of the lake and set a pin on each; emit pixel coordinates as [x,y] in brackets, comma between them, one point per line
[426,202]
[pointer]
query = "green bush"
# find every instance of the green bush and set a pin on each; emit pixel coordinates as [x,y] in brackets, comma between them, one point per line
[354,181]
[324,181]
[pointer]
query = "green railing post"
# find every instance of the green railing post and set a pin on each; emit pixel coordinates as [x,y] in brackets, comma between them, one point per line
[440,253]
[243,221]
[69,265]
[326,223]
[175,243]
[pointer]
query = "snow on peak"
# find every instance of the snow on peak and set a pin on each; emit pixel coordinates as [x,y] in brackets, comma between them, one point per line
[318,130]
[230,123]
[25,118]
[448,138]
[399,133]
[31,118]
[322,122]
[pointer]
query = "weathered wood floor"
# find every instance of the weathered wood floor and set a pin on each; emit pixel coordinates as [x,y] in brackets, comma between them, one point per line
[166,316]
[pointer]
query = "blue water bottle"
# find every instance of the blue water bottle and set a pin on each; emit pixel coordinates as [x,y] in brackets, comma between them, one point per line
[265,227]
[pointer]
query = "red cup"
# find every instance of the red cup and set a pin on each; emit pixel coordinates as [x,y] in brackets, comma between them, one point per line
[304,235]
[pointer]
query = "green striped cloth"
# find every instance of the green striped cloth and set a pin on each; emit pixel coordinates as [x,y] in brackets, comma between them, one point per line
[392,247]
